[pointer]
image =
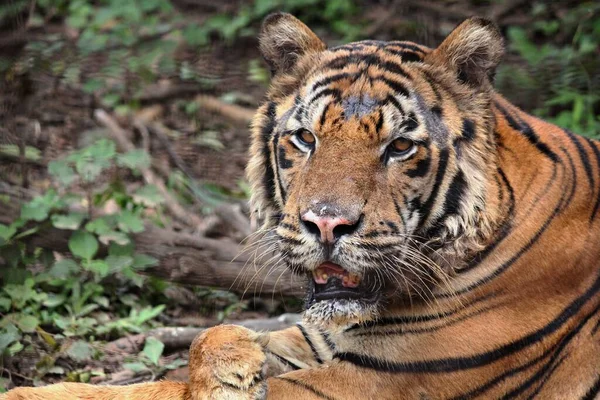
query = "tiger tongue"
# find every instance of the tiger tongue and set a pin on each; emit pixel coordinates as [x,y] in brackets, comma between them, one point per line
[329,270]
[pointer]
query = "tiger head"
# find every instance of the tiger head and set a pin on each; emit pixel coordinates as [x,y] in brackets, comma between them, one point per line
[371,162]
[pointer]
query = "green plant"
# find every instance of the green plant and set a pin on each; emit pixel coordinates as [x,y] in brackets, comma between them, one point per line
[55,298]
[559,77]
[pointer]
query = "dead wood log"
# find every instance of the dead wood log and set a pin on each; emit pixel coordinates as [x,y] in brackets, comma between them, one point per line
[175,338]
[233,112]
[185,258]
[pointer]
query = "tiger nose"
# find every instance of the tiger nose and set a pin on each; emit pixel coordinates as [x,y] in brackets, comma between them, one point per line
[329,228]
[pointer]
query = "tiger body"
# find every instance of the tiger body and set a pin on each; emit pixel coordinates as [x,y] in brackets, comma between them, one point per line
[463,233]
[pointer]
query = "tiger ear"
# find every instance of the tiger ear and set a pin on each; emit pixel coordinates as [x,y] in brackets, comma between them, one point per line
[473,50]
[284,39]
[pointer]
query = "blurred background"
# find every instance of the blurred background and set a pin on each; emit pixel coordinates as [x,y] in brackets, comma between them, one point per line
[123,140]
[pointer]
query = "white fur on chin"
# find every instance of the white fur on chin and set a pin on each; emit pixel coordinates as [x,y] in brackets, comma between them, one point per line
[335,315]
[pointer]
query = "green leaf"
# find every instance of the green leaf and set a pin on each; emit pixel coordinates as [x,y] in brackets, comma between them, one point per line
[93,85]
[99,226]
[64,268]
[119,238]
[27,232]
[148,313]
[27,323]
[143,261]
[98,267]
[70,221]
[153,349]
[83,244]
[8,335]
[15,348]
[117,263]
[130,222]
[62,172]
[135,367]
[134,159]
[148,195]
[116,249]
[38,208]
[34,212]
[6,232]
[79,351]
[5,304]
[31,153]
[54,300]
[101,301]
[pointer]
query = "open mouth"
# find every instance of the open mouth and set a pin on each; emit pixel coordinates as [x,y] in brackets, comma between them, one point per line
[331,281]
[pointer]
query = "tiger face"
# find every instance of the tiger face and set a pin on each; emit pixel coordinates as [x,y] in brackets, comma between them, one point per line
[369,161]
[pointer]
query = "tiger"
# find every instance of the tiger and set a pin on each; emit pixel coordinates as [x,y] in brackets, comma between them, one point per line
[449,240]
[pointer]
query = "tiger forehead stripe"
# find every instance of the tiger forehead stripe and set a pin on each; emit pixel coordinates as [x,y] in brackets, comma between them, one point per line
[358,106]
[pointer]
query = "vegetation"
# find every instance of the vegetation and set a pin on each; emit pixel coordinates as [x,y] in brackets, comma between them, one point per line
[61,304]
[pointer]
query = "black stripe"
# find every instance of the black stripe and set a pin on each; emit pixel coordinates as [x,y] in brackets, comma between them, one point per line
[497,272]
[596,327]
[407,56]
[332,78]
[409,123]
[392,99]
[324,115]
[421,169]
[285,361]
[584,159]
[399,211]
[277,173]
[529,134]
[404,45]
[310,343]
[463,363]
[266,132]
[596,152]
[289,227]
[418,318]
[429,329]
[507,374]
[548,368]
[544,375]
[468,130]
[502,231]
[305,386]
[439,177]
[284,163]
[397,87]
[593,392]
[393,67]
[327,340]
[379,123]
[326,92]
[454,194]
[556,348]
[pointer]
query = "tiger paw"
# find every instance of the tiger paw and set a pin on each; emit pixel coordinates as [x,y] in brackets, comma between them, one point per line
[228,362]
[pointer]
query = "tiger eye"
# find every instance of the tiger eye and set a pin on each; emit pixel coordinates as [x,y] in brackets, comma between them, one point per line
[401,145]
[306,137]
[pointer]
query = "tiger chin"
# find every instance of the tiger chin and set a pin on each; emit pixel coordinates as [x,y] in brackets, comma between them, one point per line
[449,240]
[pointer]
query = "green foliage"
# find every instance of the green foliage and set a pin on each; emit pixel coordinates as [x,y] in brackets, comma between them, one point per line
[153,349]
[559,77]
[71,296]
[336,14]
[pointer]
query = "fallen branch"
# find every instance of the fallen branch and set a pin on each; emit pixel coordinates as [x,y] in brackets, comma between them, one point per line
[233,112]
[175,338]
[120,137]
